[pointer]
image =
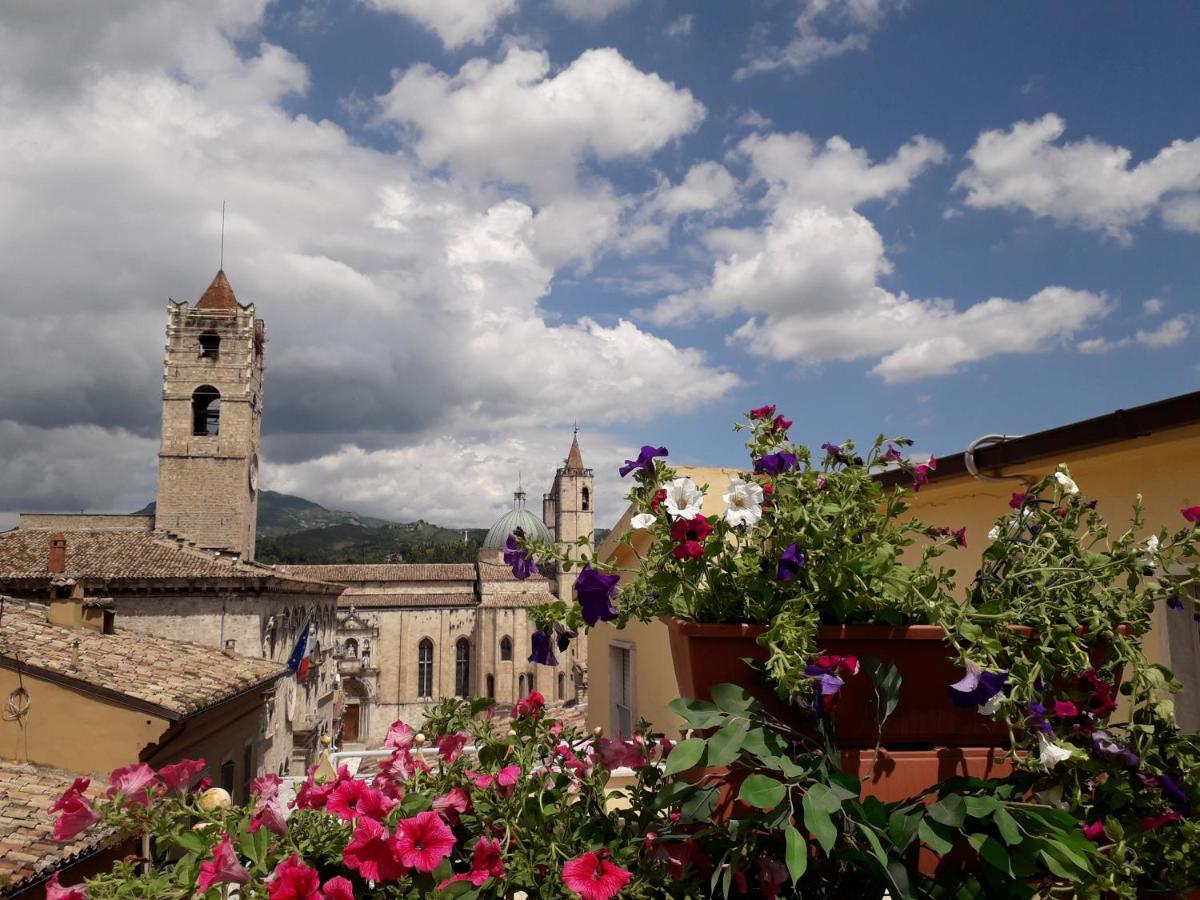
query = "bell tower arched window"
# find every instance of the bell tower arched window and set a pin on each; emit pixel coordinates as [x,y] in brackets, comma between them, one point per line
[206,411]
[462,668]
[425,669]
[587,499]
[506,649]
[210,345]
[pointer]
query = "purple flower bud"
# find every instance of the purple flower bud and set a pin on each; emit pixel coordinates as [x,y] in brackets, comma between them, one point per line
[645,460]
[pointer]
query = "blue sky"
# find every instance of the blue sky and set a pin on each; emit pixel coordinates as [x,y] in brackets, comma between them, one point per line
[470,222]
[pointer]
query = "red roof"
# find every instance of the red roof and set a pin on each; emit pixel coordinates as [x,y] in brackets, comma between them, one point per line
[574,457]
[219,295]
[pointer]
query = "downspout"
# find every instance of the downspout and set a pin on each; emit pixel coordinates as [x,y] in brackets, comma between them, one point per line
[988,440]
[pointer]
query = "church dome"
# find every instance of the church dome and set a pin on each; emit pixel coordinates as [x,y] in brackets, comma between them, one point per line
[517,517]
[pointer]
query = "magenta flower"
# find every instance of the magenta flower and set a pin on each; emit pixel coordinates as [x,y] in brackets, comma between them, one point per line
[891,455]
[542,650]
[344,797]
[1151,823]
[400,735]
[223,868]
[595,591]
[485,863]
[180,776]
[423,841]
[1065,709]
[645,460]
[133,782]
[921,473]
[790,563]
[1093,830]
[781,424]
[338,888]
[55,891]
[976,687]
[451,803]
[959,537]
[77,814]
[593,877]
[1017,500]
[621,754]
[373,853]
[266,787]
[293,880]
[1192,514]
[450,746]
[270,816]
[530,706]
[763,412]
[518,558]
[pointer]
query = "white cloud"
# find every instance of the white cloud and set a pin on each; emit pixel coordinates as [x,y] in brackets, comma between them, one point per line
[809,278]
[590,10]
[680,27]
[514,121]
[1152,307]
[1170,333]
[456,22]
[825,29]
[400,305]
[1088,183]
[1101,345]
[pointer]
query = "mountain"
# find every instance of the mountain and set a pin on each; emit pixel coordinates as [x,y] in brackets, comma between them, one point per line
[280,514]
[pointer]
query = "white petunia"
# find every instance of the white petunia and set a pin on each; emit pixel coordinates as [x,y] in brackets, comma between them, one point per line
[683,499]
[992,705]
[643,520]
[1152,543]
[1065,482]
[743,502]
[994,534]
[1051,753]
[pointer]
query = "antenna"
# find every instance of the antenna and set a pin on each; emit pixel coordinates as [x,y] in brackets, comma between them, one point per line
[222,265]
[577,426]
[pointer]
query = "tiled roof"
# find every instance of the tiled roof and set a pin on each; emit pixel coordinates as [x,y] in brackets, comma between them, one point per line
[180,678]
[500,572]
[27,845]
[386,572]
[219,294]
[116,555]
[406,601]
[515,599]
[574,457]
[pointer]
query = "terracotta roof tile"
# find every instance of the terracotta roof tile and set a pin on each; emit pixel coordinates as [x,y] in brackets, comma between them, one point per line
[27,845]
[180,677]
[500,572]
[116,555]
[574,457]
[219,294]
[347,574]
[406,601]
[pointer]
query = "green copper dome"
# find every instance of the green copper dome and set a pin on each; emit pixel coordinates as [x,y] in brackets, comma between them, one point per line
[517,517]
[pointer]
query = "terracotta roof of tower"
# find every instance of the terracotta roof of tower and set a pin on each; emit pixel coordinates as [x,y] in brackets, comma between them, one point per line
[28,851]
[114,556]
[574,457]
[179,678]
[219,295]
[346,574]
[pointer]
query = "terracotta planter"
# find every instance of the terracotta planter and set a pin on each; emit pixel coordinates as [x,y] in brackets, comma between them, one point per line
[705,655]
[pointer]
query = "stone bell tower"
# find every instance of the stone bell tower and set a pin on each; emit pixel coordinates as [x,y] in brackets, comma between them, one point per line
[211,421]
[568,512]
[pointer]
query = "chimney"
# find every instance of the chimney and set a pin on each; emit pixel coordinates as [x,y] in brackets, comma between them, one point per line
[57,563]
[230,648]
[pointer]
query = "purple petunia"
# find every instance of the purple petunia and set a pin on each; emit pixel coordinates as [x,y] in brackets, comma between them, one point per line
[1174,793]
[1037,718]
[829,683]
[976,687]
[775,463]
[790,563]
[645,460]
[595,591]
[543,650]
[1174,603]
[1107,748]
[517,558]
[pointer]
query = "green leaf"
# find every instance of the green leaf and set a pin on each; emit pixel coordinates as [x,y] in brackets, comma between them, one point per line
[932,839]
[980,807]
[991,851]
[795,853]
[1007,826]
[697,713]
[762,791]
[902,828]
[819,802]
[731,698]
[949,811]
[876,847]
[726,744]
[699,807]
[193,843]
[685,755]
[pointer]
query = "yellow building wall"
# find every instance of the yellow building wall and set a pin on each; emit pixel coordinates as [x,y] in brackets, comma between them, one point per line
[1164,468]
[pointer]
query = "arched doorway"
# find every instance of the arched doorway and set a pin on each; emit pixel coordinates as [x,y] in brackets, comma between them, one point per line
[355,719]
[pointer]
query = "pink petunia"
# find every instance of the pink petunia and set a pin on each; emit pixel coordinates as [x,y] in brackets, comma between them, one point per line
[180,776]
[451,803]
[1192,514]
[485,863]
[266,787]
[423,841]
[530,706]
[1065,709]
[373,804]
[312,795]
[621,754]
[223,868]
[593,877]
[77,814]
[450,746]
[1150,823]
[374,853]
[269,815]
[133,782]
[921,473]
[344,797]
[1093,830]
[338,888]
[293,880]
[400,735]
[55,891]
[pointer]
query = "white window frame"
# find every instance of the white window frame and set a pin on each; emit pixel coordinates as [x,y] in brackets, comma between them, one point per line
[622,685]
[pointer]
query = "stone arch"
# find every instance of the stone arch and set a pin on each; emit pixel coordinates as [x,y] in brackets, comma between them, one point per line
[206,411]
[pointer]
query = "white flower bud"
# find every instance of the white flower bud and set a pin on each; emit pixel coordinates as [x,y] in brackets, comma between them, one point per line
[597,731]
[214,799]
[511,733]
[419,739]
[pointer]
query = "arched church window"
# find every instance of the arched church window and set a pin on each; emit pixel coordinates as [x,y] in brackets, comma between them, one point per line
[491,687]
[506,649]
[587,499]
[521,685]
[206,411]
[425,669]
[562,686]
[462,668]
[210,345]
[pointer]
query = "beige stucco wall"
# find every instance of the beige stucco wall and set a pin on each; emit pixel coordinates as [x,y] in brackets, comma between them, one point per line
[1163,467]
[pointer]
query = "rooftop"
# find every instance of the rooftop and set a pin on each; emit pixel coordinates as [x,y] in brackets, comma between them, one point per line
[219,295]
[28,850]
[406,600]
[175,679]
[115,555]
[349,574]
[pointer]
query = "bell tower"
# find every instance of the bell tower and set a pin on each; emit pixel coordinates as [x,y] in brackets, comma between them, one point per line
[211,421]
[569,512]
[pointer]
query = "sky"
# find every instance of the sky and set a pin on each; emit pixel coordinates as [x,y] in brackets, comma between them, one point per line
[471,224]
